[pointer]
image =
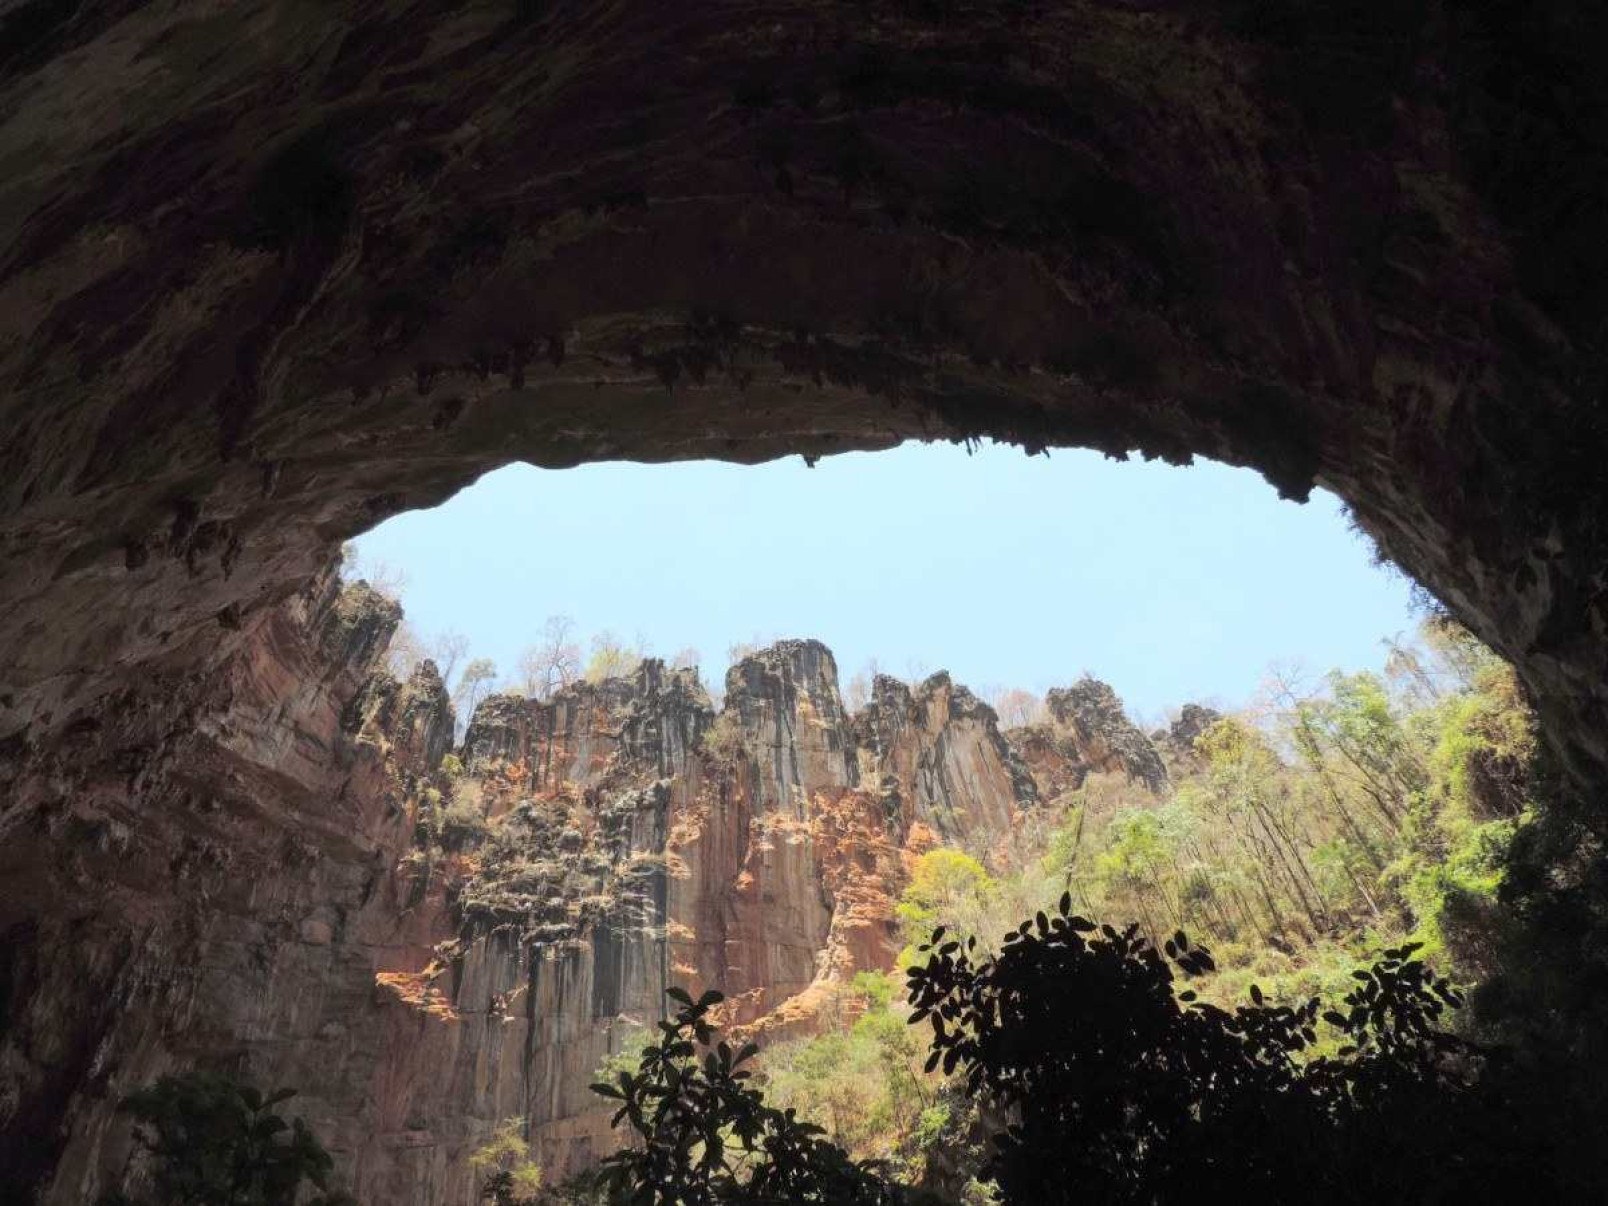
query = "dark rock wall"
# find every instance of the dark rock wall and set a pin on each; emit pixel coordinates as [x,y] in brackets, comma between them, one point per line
[327,269]
[204,876]
[276,875]
[1101,734]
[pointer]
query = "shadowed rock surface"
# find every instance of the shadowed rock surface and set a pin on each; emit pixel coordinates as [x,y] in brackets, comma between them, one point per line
[278,873]
[942,741]
[1193,720]
[268,277]
[1102,736]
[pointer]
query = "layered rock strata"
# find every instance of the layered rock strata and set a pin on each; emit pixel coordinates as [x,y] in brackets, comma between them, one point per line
[202,873]
[637,839]
[298,885]
[1088,733]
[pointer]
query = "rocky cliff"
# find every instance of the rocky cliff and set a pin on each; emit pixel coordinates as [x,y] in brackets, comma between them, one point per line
[283,874]
[202,873]
[622,837]
[1089,733]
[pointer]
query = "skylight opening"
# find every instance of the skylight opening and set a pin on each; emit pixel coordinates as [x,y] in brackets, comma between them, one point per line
[1015,574]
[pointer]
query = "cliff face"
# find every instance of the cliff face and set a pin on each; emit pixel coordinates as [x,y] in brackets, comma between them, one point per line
[203,875]
[634,840]
[638,840]
[1091,716]
[294,886]
[1089,733]
[939,749]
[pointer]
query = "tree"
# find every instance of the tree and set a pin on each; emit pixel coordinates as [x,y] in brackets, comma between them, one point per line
[447,649]
[1140,862]
[610,658]
[1018,708]
[703,1135]
[860,1077]
[386,579]
[404,652]
[1119,1089]
[408,649]
[946,887]
[739,650]
[512,1177]
[214,1141]
[1245,788]
[686,658]
[857,694]
[1094,1079]
[473,686]
[554,662]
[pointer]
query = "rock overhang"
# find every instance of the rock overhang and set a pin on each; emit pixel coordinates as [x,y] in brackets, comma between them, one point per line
[349,265]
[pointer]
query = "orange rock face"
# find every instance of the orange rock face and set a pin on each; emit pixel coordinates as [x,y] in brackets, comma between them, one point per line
[759,851]
[296,890]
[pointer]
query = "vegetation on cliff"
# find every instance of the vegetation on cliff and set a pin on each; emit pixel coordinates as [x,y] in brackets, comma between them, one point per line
[1325,843]
[1364,819]
[1299,839]
[1093,1078]
[213,1140]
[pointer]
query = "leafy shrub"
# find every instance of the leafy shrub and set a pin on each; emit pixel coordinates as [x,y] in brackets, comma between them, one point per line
[1121,1090]
[513,1178]
[722,741]
[214,1141]
[861,1078]
[703,1135]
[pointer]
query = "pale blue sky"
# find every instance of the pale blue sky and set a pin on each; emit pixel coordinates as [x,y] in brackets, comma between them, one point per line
[1006,570]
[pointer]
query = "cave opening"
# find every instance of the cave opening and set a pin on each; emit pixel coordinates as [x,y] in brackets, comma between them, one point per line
[533,864]
[615,815]
[266,281]
[978,561]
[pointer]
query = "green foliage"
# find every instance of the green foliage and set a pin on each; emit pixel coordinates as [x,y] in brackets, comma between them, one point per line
[512,1177]
[703,1134]
[945,885]
[1378,813]
[1064,849]
[215,1141]
[877,989]
[1376,809]
[627,1057]
[1077,1071]
[861,1080]
[1142,847]
[722,741]
[1120,1089]
[932,1124]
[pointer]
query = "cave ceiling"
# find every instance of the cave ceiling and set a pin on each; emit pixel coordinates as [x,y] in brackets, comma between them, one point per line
[271,272]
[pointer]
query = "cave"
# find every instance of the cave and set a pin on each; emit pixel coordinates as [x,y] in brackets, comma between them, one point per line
[272,275]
